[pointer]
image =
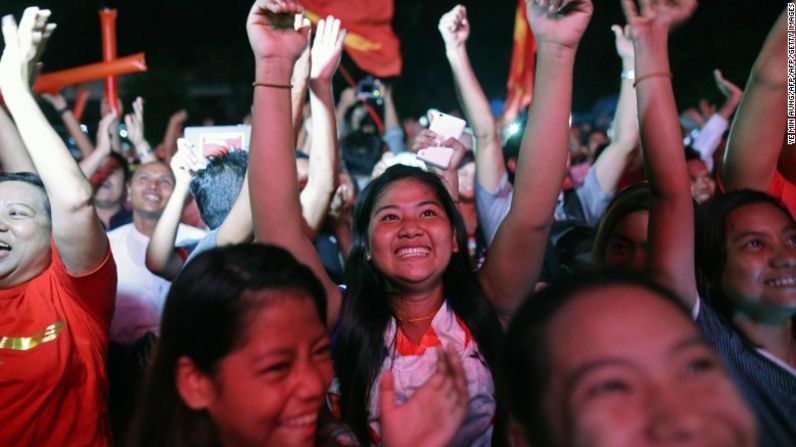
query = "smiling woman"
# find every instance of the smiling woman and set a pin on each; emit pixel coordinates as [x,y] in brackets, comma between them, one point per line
[617,361]
[57,276]
[243,358]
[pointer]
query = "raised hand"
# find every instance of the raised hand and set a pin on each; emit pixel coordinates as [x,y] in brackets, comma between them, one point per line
[454,27]
[326,49]
[22,43]
[186,162]
[106,126]
[434,413]
[270,27]
[135,122]
[56,100]
[727,88]
[624,45]
[559,22]
[656,15]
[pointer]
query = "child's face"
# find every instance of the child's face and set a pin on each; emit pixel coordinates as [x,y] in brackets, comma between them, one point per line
[270,389]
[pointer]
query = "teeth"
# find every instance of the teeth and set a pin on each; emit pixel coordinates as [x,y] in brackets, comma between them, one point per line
[782,282]
[4,246]
[301,421]
[152,197]
[412,251]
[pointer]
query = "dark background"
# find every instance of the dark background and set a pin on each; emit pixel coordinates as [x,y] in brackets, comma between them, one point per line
[199,57]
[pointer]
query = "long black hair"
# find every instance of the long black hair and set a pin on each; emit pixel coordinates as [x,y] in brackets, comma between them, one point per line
[360,350]
[206,316]
[711,244]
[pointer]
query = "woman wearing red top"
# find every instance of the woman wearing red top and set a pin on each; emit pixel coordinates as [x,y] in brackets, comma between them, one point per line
[57,278]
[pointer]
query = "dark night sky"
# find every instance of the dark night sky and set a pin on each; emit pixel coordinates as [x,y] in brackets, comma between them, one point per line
[202,44]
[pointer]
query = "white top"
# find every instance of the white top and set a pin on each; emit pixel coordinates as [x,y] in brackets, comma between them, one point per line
[412,365]
[139,292]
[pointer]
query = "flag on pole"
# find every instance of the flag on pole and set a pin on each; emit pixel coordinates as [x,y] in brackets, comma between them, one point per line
[370,42]
[523,62]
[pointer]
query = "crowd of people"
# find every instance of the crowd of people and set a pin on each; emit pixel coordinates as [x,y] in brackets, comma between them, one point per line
[564,285]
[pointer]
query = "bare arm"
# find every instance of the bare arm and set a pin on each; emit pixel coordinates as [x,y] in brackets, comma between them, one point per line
[322,180]
[76,230]
[757,134]
[70,121]
[13,155]
[670,258]
[161,258]
[515,260]
[611,163]
[276,211]
[173,132]
[237,226]
[91,164]
[301,74]
[455,29]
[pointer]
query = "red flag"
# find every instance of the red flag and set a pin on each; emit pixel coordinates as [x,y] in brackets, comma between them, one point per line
[523,62]
[370,42]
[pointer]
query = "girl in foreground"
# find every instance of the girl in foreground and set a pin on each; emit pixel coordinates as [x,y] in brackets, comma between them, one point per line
[613,361]
[244,360]
[409,287]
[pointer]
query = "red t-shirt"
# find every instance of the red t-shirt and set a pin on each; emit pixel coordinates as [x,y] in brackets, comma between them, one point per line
[785,191]
[53,340]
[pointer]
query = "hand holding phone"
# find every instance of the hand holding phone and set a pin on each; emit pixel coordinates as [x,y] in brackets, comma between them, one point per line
[444,126]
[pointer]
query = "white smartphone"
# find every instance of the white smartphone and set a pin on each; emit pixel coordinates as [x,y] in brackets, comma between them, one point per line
[438,156]
[446,126]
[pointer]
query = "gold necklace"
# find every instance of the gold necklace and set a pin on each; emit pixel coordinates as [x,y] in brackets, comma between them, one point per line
[416,319]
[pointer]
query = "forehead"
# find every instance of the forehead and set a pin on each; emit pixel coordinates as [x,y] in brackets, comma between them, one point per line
[697,167]
[155,168]
[406,192]
[22,192]
[758,217]
[282,317]
[620,321]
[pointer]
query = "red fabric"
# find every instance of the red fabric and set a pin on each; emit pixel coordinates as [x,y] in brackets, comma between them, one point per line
[780,188]
[523,62]
[406,347]
[371,42]
[783,190]
[55,393]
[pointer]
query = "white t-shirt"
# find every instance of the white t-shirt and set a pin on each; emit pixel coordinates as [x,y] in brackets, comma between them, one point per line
[139,292]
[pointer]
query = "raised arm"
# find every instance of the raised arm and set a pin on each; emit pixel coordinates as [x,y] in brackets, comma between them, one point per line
[135,132]
[13,155]
[161,258]
[322,179]
[611,163]
[299,81]
[272,169]
[515,257]
[70,121]
[76,230]
[173,132]
[91,163]
[455,29]
[758,131]
[670,258]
